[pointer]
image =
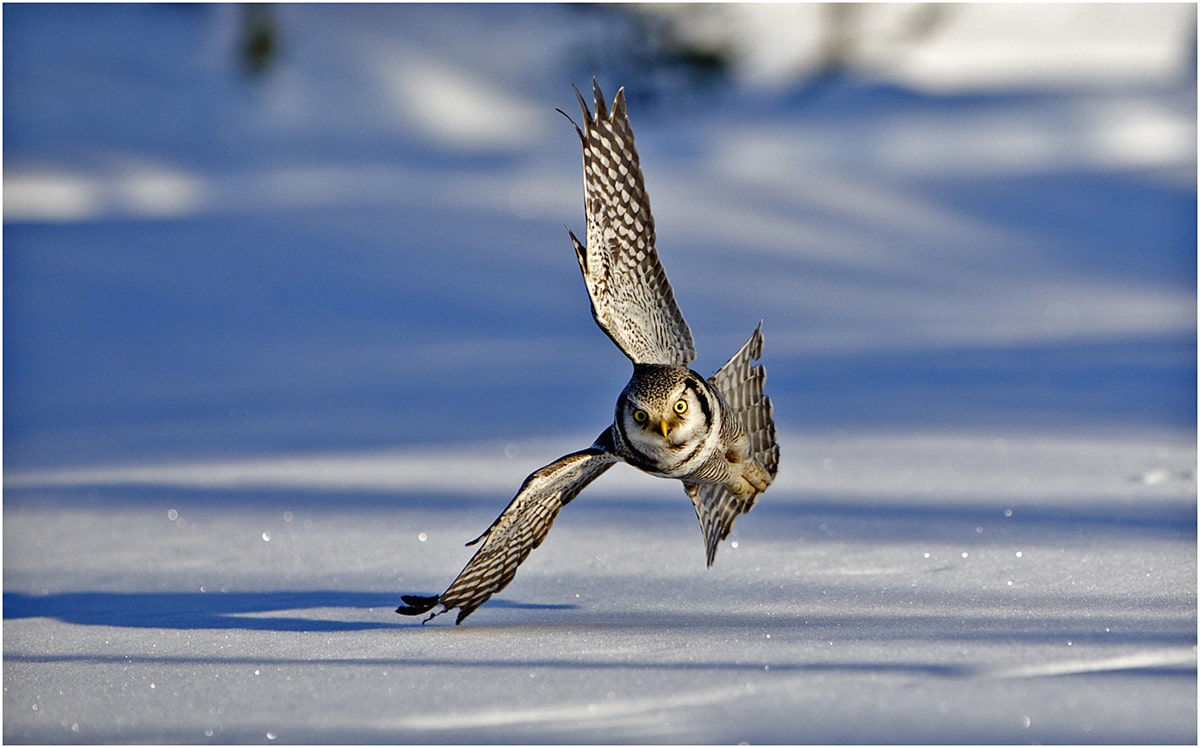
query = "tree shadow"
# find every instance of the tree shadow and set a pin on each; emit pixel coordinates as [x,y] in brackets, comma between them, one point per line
[248,611]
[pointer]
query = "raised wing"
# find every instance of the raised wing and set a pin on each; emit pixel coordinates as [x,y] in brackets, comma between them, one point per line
[740,382]
[519,529]
[631,299]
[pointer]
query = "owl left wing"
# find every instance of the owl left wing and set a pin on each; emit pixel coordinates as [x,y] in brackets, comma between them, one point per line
[519,529]
[740,381]
[632,300]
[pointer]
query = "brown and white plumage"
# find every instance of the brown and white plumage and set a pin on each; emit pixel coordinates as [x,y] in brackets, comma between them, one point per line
[631,298]
[740,381]
[519,529]
[716,435]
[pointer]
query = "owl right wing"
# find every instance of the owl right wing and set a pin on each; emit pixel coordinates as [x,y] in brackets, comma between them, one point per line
[632,300]
[740,381]
[519,529]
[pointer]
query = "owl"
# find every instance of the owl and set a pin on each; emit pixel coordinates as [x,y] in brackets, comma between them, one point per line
[715,435]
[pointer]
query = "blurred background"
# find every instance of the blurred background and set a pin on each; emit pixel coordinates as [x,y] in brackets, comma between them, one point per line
[261,230]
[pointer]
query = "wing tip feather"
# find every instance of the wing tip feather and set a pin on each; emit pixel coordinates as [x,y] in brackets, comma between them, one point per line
[580,251]
[598,100]
[415,605]
[600,104]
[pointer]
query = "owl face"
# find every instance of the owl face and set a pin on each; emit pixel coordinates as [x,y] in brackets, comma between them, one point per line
[663,407]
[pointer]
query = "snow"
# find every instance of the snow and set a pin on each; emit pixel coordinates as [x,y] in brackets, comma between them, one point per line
[276,349]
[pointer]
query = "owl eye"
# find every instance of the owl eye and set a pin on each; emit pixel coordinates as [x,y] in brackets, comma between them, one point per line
[681,406]
[641,416]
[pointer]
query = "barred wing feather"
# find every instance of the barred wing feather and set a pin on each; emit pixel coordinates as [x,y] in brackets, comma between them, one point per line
[519,529]
[632,300]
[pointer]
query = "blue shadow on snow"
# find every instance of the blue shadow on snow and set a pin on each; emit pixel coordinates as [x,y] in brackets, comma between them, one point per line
[218,610]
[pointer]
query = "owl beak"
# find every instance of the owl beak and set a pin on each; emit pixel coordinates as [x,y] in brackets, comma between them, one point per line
[666,429]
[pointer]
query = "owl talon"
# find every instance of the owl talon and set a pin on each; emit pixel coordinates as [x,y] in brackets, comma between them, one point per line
[756,476]
[753,480]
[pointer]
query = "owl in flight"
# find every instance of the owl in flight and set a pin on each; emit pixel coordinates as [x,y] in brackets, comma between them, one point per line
[716,435]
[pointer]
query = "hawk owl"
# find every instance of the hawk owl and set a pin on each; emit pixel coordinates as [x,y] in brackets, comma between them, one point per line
[716,435]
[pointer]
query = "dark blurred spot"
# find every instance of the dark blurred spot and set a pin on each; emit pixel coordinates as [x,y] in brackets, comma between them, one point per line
[259,44]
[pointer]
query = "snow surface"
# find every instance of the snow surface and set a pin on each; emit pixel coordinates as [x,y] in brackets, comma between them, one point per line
[275,348]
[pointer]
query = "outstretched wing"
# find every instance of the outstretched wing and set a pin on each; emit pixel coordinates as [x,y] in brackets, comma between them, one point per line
[519,529]
[631,299]
[740,382]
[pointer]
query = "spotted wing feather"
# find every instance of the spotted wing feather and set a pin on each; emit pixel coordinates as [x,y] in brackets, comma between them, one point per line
[519,529]
[740,381]
[632,300]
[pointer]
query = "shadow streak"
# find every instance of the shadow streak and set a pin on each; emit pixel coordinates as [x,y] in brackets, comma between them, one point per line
[218,610]
[937,670]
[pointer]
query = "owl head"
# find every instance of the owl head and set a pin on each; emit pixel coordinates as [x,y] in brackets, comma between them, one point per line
[664,407]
